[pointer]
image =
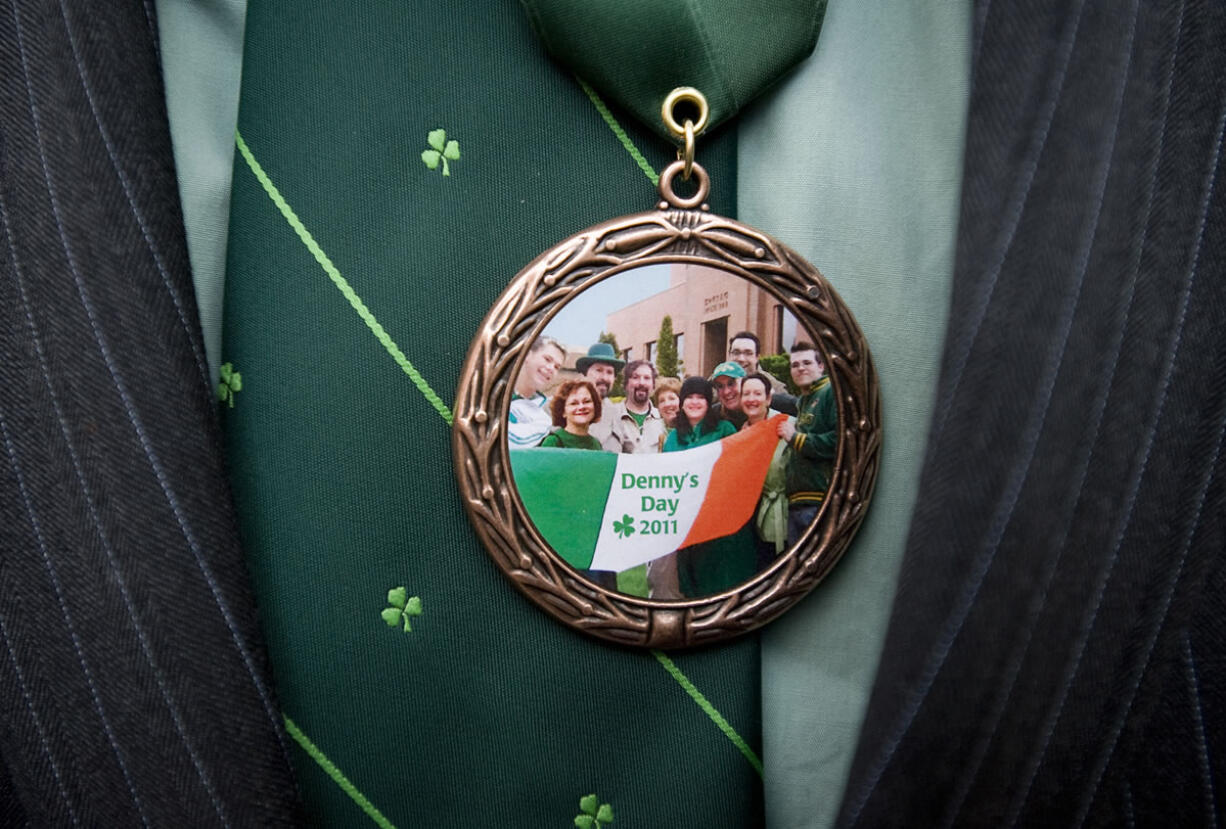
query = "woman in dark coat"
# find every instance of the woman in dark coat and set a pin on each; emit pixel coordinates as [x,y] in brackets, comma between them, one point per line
[698,422]
[721,563]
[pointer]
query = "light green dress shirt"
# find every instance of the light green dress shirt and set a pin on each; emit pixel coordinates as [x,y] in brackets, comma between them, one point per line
[855,161]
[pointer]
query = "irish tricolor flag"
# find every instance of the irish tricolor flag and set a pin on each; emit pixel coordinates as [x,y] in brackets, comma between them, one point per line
[602,511]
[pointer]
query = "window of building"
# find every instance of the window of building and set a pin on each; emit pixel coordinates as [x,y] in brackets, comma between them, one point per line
[651,352]
[785,324]
[714,344]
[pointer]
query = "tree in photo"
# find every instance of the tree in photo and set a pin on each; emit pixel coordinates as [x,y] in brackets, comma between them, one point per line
[666,350]
[779,366]
[619,388]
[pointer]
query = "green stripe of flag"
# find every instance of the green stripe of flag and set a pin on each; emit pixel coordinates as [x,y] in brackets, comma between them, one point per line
[564,492]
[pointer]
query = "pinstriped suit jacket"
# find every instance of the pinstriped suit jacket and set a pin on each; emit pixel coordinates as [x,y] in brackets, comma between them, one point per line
[1055,653]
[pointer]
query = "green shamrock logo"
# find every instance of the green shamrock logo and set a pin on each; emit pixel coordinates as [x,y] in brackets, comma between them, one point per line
[625,527]
[595,814]
[231,381]
[442,150]
[402,607]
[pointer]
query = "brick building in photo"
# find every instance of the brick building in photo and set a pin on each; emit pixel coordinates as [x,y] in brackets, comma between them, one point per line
[707,306]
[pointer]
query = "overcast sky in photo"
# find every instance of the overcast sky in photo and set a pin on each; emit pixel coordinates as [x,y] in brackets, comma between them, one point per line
[581,321]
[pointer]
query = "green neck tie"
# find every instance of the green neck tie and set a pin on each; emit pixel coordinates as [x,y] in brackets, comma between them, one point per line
[365,248]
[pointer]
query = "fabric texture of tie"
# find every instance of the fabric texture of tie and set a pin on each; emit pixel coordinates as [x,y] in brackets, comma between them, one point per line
[396,168]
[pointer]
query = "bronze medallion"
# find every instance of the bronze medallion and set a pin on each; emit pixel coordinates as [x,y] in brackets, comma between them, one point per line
[678,540]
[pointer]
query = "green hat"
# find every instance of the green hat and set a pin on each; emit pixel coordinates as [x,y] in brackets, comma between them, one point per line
[728,369]
[599,353]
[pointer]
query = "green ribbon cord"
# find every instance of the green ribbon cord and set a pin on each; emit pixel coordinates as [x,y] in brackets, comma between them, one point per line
[634,52]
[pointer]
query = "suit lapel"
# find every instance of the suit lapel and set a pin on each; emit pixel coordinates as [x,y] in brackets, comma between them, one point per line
[134,678]
[1071,496]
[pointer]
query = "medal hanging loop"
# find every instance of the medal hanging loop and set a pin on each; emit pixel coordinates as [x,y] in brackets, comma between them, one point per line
[685,95]
[688,131]
[671,197]
[687,154]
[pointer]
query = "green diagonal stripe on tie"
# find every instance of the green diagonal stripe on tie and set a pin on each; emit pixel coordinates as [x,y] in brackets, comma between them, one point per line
[710,710]
[335,275]
[336,774]
[613,124]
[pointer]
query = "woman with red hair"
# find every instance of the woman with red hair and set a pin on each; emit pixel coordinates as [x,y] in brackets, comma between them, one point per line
[575,407]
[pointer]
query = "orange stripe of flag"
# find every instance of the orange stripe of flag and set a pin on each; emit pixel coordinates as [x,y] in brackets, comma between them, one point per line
[736,481]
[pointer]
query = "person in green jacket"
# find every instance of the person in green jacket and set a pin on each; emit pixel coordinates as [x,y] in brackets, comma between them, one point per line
[575,408]
[812,440]
[699,421]
[722,563]
[771,518]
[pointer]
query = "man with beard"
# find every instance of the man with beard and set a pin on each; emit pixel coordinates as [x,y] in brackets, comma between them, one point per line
[599,367]
[635,426]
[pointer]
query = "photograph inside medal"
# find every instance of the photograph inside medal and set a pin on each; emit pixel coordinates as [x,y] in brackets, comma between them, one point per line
[672,431]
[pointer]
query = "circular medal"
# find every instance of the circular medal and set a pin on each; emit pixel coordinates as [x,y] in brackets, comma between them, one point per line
[630,456]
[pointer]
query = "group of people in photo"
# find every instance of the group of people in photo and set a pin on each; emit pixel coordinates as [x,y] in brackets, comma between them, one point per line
[670,414]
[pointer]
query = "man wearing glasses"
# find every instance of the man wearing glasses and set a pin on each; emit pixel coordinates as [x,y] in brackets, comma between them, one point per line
[743,349]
